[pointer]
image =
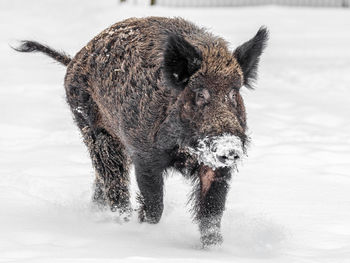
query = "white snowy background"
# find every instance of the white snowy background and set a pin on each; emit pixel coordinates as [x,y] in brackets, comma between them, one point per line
[290,201]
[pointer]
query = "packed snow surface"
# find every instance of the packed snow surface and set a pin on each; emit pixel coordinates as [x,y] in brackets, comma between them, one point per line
[290,201]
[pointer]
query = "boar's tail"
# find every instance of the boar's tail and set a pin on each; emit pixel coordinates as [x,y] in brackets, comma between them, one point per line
[32,46]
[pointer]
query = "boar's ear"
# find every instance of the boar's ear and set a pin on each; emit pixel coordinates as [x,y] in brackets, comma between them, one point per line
[248,55]
[181,61]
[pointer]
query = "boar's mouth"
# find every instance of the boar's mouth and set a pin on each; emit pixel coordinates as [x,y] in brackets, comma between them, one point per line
[218,151]
[207,177]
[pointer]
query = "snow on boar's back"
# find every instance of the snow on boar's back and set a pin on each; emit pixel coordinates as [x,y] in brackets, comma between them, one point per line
[160,93]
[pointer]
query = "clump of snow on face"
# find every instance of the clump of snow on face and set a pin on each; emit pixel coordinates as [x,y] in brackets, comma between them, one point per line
[219,151]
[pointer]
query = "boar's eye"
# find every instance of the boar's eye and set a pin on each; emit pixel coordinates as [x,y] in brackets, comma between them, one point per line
[233,97]
[202,97]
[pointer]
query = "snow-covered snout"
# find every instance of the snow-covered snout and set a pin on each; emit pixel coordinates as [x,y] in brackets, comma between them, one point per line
[219,151]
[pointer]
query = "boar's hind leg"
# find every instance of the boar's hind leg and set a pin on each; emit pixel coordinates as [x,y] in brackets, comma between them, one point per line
[210,199]
[107,153]
[112,172]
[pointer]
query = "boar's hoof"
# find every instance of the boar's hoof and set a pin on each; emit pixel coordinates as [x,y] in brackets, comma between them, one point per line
[149,217]
[211,239]
[146,218]
[123,213]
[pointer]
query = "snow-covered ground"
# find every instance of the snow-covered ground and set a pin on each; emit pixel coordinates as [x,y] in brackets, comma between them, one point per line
[289,203]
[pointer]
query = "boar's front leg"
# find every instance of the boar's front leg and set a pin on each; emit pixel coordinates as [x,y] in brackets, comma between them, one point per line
[149,178]
[210,202]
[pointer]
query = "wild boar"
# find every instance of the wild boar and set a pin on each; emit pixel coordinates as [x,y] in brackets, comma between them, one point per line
[161,93]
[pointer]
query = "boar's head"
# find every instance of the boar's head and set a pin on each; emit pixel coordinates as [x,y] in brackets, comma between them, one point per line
[208,79]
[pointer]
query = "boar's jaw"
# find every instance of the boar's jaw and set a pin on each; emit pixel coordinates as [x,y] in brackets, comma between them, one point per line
[218,151]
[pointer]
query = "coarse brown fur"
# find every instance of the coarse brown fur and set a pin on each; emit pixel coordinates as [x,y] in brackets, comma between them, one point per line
[144,90]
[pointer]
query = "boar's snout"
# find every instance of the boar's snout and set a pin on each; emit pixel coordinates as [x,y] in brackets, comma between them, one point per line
[225,153]
[219,151]
[228,157]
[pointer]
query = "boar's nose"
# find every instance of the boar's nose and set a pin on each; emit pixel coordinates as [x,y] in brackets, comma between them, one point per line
[229,156]
[219,151]
[226,149]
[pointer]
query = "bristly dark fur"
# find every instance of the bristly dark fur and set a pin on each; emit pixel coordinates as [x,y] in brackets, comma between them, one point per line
[143,91]
[32,46]
[248,56]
